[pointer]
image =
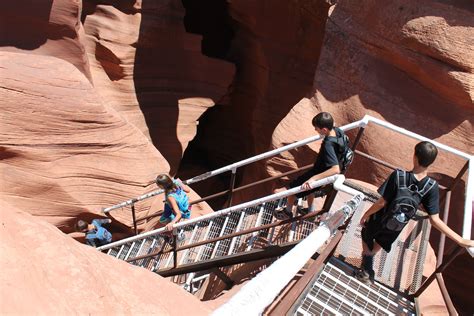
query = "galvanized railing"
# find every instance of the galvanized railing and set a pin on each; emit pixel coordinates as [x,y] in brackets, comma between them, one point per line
[361,124]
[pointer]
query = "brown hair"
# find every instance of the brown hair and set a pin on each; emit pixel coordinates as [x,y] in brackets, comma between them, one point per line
[164,181]
[80,225]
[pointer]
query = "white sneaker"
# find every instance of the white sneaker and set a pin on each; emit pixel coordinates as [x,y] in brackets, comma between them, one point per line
[181,236]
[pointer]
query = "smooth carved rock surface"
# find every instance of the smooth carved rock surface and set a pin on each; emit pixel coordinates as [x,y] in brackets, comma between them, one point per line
[99,97]
[275,64]
[45,27]
[64,153]
[46,272]
[390,61]
[147,67]
[385,64]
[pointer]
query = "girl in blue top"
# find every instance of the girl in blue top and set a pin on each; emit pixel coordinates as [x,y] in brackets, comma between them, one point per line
[177,202]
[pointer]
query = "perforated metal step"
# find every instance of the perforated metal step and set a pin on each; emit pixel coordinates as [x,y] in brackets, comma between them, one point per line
[199,231]
[336,293]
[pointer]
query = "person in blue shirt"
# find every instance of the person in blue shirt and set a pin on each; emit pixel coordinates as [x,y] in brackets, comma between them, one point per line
[96,235]
[176,203]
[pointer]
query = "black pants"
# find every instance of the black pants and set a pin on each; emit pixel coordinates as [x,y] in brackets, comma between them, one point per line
[302,179]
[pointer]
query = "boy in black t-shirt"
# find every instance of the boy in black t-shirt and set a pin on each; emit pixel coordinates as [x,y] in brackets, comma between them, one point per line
[326,164]
[377,234]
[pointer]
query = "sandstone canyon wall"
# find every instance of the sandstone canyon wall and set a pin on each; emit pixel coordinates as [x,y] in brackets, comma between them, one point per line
[64,153]
[100,96]
[45,272]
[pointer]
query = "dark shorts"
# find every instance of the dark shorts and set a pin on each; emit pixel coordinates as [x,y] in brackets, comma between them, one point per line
[168,215]
[374,232]
[302,179]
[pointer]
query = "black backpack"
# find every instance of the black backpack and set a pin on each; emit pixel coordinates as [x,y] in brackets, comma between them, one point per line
[403,207]
[344,153]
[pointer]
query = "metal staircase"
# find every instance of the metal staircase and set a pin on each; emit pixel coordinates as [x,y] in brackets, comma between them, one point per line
[336,292]
[154,250]
[242,233]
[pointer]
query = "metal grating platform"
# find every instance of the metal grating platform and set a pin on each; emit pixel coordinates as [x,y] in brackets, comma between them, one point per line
[402,267]
[153,252]
[336,293]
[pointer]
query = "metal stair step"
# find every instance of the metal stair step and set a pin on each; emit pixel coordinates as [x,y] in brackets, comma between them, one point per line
[335,292]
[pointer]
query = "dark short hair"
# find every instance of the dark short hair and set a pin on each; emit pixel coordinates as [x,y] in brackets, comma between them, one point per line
[80,225]
[426,153]
[323,120]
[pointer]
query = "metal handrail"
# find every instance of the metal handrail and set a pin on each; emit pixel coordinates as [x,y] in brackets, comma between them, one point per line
[467,219]
[225,211]
[259,292]
[235,165]
[229,236]
[238,189]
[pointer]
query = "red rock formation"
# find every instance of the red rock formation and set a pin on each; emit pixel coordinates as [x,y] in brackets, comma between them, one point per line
[64,152]
[46,272]
[147,67]
[93,98]
[275,52]
[45,27]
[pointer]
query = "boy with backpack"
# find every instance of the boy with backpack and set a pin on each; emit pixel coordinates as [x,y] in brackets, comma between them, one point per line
[334,157]
[96,235]
[402,193]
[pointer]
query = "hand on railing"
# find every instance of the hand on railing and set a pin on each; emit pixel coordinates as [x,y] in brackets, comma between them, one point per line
[466,243]
[169,227]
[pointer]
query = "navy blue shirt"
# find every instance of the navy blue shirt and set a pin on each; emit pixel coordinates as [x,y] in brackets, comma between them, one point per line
[99,235]
[430,201]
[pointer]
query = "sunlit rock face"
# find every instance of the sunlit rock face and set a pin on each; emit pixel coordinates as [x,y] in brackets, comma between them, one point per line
[71,121]
[100,96]
[47,272]
[410,64]
[65,153]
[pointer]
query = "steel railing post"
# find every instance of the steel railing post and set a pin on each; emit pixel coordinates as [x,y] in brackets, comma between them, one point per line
[134,219]
[457,250]
[442,239]
[231,187]
[175,248]
[357,140]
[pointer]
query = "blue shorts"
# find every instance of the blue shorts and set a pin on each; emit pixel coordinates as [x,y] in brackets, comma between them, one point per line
[168,215]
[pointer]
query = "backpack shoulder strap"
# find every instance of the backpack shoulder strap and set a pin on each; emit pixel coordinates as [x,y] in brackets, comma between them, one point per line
[427,187]
[339,134]
[337,145]
[339,140]
[401,178]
